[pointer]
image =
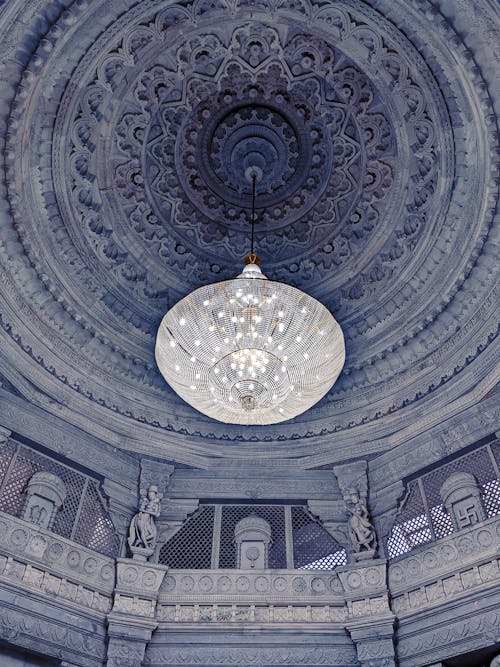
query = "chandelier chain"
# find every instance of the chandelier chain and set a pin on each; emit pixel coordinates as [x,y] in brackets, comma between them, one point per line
[254,180]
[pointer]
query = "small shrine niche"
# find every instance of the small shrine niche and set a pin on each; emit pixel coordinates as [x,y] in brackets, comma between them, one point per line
[253,537]
[461,496]
[46,494]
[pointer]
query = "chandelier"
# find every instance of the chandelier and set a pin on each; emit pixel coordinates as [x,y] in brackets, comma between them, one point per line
[250,350]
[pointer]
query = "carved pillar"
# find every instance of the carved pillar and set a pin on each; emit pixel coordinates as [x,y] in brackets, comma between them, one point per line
[131,621]
[252,536]
[462,500]
[371,621]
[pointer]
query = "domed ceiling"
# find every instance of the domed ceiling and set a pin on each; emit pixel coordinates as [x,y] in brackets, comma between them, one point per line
[128,135]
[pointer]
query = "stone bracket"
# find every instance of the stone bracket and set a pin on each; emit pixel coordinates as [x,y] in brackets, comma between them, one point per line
[374,643]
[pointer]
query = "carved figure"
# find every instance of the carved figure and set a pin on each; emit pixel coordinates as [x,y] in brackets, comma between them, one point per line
[143,531]
[363,536]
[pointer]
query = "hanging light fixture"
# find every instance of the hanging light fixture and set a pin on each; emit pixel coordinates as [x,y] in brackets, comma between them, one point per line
[250,350]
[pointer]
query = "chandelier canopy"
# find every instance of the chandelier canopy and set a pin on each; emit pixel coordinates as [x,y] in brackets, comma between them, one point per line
[250,350]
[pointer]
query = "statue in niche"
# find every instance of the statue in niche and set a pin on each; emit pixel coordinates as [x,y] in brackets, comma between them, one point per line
[361,531]
[143,532]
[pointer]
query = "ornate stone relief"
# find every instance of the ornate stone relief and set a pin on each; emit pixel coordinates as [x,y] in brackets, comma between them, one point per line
[132,153]
[143,532]
[252,536]
[280,655]
[45,495]
[56,561]
[353,482]
[361,531]
[462,500]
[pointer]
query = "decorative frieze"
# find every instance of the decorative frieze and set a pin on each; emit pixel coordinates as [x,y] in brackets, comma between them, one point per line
[269,596]
[58,557]
[292,585]
[468,551]
[439,636]
[136,578]
[446,588]
[330,655]
[25,628]
[251,613]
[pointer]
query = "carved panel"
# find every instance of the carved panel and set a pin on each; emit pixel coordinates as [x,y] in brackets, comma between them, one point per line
[63,559]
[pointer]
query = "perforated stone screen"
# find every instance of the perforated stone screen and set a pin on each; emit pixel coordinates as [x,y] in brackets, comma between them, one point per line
[191,546]
[83,517]
[313,547]
[206,540]
[423,517]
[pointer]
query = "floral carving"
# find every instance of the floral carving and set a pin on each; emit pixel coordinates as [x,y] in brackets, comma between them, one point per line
[375,268]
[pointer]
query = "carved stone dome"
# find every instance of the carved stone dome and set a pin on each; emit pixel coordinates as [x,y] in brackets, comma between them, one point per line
[128,134]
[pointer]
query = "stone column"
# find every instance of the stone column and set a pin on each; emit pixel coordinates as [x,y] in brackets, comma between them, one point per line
[132,621]
[371,621]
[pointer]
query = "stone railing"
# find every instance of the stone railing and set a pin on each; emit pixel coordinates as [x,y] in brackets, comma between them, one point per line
[446,569]
[273,596]
[38,560]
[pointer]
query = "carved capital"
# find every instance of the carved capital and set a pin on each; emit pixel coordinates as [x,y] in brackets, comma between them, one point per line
[352,476]
[138,579]
[155,473]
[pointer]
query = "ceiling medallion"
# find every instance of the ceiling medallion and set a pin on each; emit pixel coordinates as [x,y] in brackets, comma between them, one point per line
[250,350]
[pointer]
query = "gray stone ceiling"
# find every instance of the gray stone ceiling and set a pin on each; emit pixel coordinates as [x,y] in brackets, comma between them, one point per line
[127,128]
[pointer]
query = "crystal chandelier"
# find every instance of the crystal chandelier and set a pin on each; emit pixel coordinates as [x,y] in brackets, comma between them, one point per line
[250,350]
